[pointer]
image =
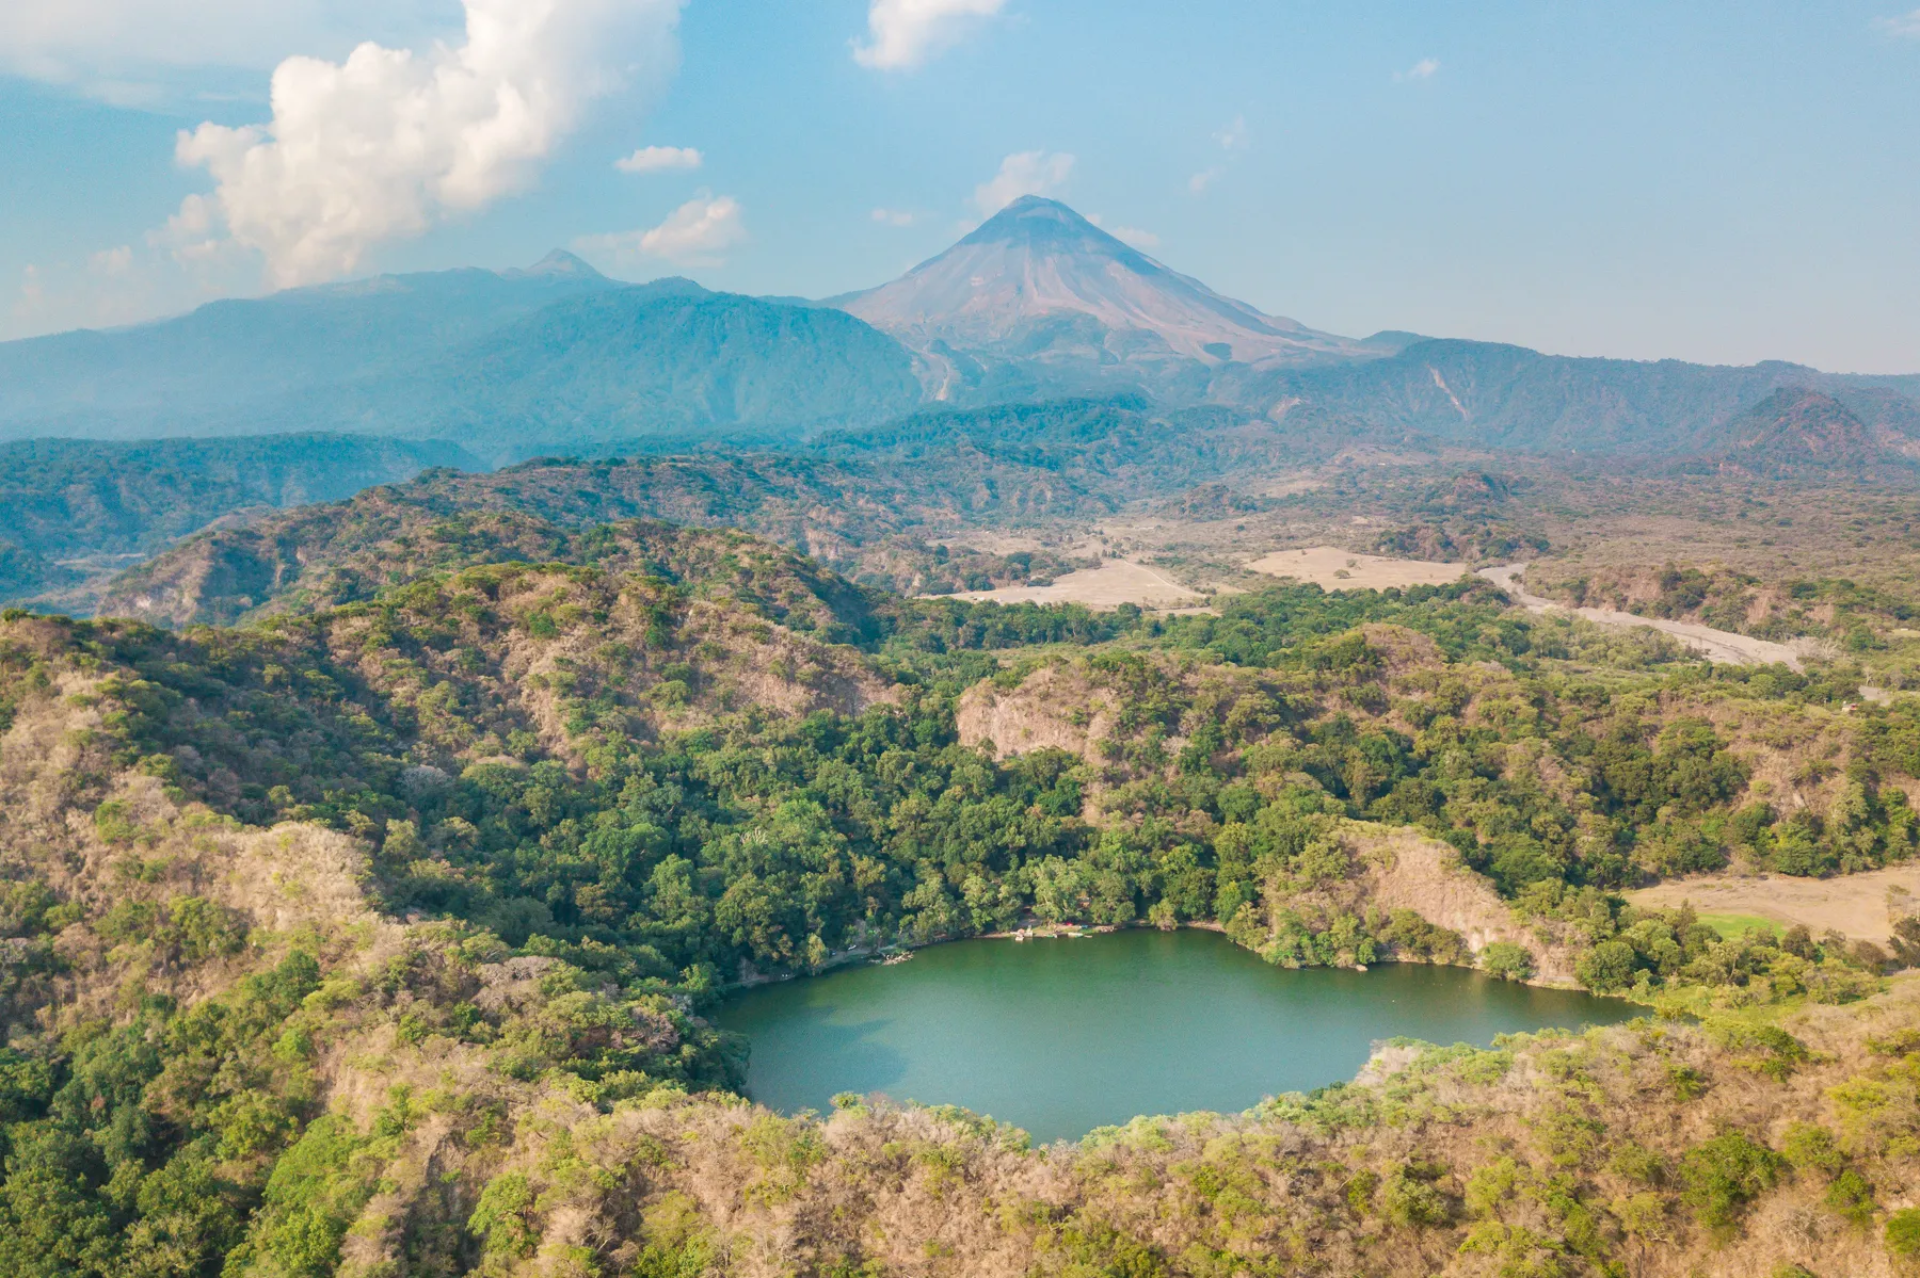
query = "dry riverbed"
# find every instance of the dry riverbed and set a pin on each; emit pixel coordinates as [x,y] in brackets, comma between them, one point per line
[1723,646]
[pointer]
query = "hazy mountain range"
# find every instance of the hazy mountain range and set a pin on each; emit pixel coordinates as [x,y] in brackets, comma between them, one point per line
[1036,304]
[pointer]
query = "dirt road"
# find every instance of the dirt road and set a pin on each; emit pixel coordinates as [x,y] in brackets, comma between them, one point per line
[1723,646]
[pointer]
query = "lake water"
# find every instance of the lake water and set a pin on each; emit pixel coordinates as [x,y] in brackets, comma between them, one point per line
[1062,1036]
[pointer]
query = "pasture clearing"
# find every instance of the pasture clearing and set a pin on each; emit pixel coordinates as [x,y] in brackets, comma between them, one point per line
[1331,568]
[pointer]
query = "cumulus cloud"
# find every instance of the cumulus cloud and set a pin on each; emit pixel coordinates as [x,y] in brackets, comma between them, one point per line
[1906,25]
[389,142]
[894,217]
[697,233]
[1424,69]
[657,159]
[902,34]
[1022,173]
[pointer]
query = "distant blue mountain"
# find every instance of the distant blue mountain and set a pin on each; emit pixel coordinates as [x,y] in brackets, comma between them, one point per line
[1036,304]
[1491,395]
[507,362]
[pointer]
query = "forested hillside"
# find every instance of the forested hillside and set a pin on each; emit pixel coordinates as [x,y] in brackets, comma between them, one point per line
[67,496]
[67,499]
[875,503]
[239,366]
[378,937]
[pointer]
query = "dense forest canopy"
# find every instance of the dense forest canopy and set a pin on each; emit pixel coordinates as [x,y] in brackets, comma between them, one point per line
[307,920]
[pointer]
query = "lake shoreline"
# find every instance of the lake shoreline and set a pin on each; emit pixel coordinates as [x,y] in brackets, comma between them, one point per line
[1061,1039]
[1068,931]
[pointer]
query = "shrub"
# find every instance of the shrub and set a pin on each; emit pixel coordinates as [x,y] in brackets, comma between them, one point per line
[1723,1175]
[1903,1232]
[1507,960]
[1851,1195]
[1409,1198]
[1607,966]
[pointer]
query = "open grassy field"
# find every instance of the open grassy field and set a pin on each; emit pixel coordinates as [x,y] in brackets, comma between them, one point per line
[1861,906]
[1331,568]
[1732,925]
[1114,582]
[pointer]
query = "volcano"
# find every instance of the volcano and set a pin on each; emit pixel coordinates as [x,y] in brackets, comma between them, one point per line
[1038,282]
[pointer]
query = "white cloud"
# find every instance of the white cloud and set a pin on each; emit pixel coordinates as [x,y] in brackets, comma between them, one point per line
[695,234]
[388,142]
[1022,173]
[1126,234]
[894,217]
[656,159]
[1234,137]
[1906,25]
[904,33]
[113,261]
[33,294]
[126,283]
[698,229]
[1205,178]
[1424,69]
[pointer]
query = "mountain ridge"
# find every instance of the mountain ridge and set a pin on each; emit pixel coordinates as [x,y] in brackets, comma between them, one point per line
[1035,305]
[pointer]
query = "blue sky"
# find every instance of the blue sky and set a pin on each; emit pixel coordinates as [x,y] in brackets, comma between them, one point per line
[1707,181]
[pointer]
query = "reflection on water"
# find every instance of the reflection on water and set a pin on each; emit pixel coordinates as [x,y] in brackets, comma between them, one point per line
[1063,1036]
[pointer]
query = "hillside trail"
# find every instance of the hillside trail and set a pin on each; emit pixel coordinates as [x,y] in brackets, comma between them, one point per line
[1723,646]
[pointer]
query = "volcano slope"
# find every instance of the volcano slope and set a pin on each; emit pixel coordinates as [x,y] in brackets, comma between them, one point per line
[376,939]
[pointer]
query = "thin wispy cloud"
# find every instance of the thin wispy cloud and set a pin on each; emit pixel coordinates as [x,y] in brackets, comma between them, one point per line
[660,159]
[1424,69]
[894,217]
[1130,235]
[1022,173]
[1233,139]
[903,34]
[165,52]
[1905,26]
[113,261]
[33,294]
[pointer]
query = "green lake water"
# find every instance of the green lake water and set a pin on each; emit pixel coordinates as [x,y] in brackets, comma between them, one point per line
[1062,1036]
